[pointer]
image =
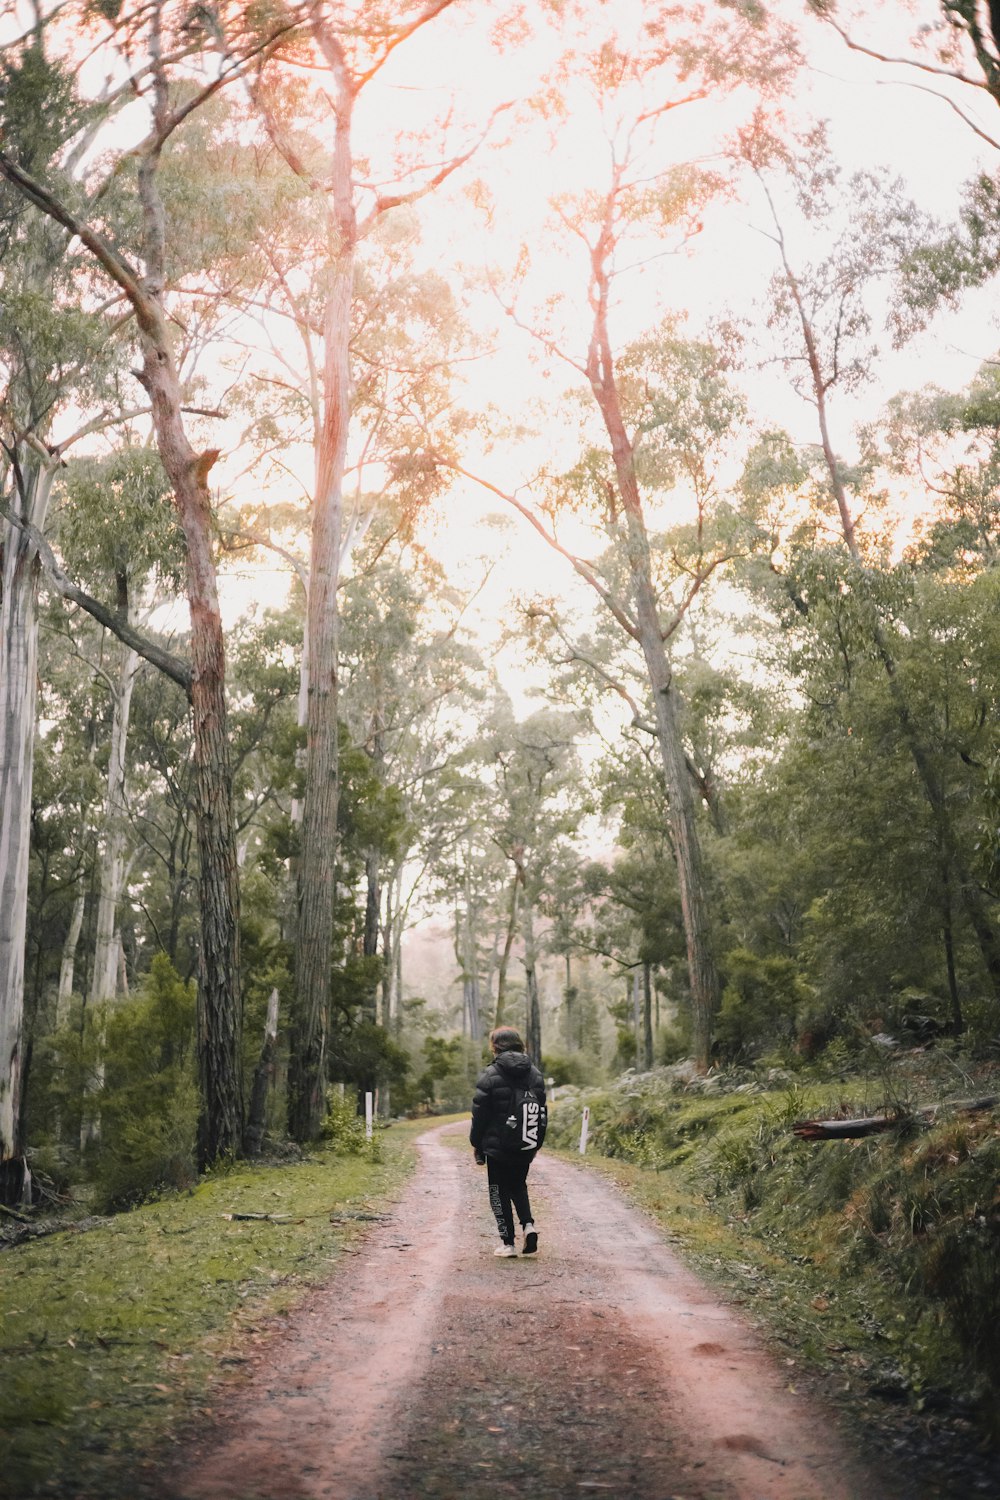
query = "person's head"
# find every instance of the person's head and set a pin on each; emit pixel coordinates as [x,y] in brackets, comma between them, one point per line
[505,1039]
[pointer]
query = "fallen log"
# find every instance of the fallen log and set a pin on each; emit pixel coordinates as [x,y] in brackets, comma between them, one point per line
[37,1229]
[839,1130]
[834,1130]
[261,1218]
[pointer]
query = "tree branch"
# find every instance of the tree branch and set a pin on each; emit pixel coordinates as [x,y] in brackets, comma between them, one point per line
[126,276]
[906,62]
[397,200]
[588,661]
[577,563]
[174,667]
[399,36]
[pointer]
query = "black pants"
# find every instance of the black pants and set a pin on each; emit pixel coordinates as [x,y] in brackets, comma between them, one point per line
[509,1186]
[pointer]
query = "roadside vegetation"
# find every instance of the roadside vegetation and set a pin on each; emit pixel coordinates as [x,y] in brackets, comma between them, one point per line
[876,1256]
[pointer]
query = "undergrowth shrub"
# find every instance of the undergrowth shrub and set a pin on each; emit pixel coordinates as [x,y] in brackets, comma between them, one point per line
[344,1129]
[575,1068]
[148,1107]
[961,1270]
[761,1004]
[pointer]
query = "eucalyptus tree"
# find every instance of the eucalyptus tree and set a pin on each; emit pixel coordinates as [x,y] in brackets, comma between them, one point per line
[678,417]
[66,802]
[537,806]
[168,65]
[352,46]
[123,543]
[410,685]
[563,904]
[958,41]
[56,360]
[648,77]
[953,55]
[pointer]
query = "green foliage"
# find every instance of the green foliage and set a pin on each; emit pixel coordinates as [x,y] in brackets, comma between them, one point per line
[761,1004]
[39,109]
[365,1055]
[345,1130]
[149,1103]
[452,1066]
[575,1068]
[117,525]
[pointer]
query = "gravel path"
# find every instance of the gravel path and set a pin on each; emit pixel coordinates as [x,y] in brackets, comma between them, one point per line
[428,1368]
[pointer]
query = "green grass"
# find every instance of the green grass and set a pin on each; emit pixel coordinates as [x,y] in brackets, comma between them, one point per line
[111,1338]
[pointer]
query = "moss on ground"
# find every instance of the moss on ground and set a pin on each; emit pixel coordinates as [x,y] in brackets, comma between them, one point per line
[111,1338]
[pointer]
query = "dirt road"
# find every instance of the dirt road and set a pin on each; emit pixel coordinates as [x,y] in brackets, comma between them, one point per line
[428,1368]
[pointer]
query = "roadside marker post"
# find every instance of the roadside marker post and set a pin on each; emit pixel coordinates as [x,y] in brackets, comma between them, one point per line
[369,1101]
[584,1129]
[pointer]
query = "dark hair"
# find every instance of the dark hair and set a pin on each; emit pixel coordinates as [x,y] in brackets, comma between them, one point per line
[506,1039]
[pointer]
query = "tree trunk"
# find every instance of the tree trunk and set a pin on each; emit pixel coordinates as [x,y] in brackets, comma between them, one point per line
[314,933]
[262,1079]
[18,679]
[388,972]
[104,976]
[957,1019]
[470,962]
[647,1016]
[398,955]
[702,972]
[569,1001]
[533,1033]
[68,963]
[515,888]
[220,1000]
[636,993]
[373,913]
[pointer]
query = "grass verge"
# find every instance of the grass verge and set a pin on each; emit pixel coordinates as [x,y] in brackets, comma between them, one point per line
[111,1338]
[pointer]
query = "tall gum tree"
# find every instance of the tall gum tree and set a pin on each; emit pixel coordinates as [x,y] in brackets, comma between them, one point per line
[118,536]
[54,357]
[648,78]
[351,46]
[537,804]
[152,47]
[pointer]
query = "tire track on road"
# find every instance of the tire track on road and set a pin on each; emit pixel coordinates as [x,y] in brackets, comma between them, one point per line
[428,1370]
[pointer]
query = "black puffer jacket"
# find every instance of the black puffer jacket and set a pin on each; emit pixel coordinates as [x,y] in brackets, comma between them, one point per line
[493,1097]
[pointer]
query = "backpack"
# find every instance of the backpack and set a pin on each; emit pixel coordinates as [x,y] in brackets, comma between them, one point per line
[524,1127]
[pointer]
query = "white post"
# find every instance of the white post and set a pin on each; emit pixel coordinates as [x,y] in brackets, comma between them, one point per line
[368,1115]
[584,1129]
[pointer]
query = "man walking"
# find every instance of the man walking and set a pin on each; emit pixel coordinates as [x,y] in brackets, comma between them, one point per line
[508,1126]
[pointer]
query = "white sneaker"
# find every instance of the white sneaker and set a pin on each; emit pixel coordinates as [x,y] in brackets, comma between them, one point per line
[530,1240]
[505,1250]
